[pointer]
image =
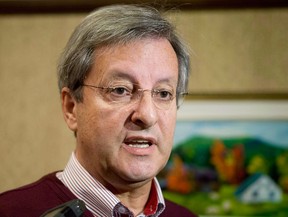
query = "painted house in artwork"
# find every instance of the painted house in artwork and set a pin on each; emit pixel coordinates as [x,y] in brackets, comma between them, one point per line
[258,188]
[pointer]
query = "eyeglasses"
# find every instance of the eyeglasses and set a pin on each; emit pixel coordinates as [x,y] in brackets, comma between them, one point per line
[126,94]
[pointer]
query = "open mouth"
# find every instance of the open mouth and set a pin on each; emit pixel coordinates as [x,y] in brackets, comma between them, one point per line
[138,143]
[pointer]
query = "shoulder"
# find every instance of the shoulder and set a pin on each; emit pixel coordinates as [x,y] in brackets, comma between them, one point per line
[42,186]
[173,209]
[34,198]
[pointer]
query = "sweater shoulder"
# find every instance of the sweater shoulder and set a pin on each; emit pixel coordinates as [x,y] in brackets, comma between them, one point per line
[33,199]
[46,182]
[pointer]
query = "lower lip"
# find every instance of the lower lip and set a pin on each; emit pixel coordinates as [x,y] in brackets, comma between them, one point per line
[139,151]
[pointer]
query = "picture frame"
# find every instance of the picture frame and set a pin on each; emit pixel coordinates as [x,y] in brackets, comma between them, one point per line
[206,128]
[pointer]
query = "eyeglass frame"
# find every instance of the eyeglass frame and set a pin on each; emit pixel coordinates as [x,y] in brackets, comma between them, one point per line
[141,90]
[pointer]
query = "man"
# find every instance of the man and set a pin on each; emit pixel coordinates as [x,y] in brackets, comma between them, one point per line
[121,78]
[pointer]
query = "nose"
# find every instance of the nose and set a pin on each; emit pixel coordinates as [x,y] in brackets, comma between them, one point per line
[145,112]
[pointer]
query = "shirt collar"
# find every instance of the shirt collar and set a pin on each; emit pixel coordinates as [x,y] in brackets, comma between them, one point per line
[98,199]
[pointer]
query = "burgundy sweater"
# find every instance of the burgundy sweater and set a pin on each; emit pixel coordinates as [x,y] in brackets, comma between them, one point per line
[34,199]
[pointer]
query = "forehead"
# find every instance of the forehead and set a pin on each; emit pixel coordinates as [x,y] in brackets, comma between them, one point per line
[141,61]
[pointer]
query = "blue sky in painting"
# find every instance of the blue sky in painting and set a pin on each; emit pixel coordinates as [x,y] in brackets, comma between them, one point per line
[275,132]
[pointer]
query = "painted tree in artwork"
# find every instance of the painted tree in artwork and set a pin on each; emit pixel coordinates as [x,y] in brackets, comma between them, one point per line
[282,165]
[229,163]
[218,154]
[239,171]
[258,164]
[179,179]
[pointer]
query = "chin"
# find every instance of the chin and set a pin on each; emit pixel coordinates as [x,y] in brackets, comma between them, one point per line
[139,172]
[139,176]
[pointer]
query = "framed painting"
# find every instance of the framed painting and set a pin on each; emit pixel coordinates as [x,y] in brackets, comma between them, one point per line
[230,158]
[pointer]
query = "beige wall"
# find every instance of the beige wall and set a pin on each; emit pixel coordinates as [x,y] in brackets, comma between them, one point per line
[233,50]
[237,50]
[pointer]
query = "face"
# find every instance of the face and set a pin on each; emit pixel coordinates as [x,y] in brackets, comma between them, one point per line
[126,143]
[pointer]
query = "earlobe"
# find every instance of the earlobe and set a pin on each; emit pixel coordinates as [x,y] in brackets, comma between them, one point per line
[69,108]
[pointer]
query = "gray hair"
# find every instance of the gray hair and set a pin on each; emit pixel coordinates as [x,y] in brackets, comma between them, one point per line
[111,25]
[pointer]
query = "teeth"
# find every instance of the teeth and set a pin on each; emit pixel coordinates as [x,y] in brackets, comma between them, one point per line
[140,141]
[139,144]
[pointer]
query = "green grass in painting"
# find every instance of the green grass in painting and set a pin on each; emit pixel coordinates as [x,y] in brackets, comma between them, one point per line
[225,204]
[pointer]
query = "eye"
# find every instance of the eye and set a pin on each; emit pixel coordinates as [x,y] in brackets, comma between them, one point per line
[163,94]
[120,90]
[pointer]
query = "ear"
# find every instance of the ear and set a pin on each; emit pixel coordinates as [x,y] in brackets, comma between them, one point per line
[69,106]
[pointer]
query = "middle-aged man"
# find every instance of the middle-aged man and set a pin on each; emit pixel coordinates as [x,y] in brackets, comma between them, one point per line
[121,77]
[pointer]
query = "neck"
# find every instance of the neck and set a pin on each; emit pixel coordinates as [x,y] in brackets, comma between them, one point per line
[135,198]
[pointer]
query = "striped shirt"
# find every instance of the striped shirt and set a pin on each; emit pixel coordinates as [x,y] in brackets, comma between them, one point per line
[99,200]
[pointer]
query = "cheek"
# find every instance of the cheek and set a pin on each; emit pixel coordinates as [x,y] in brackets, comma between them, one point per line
[100,125]
[98,136]
[169,121]
[168,127]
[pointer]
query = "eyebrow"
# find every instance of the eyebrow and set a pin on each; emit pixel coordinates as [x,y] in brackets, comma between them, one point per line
[119,75]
